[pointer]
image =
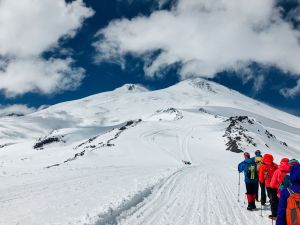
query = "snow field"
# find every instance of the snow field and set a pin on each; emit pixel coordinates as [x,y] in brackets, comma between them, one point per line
[140,177]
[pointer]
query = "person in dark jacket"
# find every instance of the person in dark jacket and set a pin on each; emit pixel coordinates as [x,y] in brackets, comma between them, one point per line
[284,195]
[249,167]
[287,181]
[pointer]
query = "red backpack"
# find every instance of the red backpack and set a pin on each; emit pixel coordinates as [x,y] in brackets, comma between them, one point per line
[293,208]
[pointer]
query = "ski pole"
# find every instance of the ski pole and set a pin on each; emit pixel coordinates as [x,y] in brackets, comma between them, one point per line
[239,187]
[261,209]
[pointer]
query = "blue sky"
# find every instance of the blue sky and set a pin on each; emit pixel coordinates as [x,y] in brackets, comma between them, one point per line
[262,81]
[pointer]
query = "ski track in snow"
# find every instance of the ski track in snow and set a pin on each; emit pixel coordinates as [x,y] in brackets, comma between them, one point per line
[190,196]
[194,195]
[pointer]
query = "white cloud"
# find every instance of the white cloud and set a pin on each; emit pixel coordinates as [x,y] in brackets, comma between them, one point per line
[291,92]
[28,28]
[41,76]
[160,3]
[294,14]
[206,37]
[16,109]
[258,83]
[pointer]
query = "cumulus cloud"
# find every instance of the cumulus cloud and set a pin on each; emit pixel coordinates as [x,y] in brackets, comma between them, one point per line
[28,28]
[160,3]
[41,76]
[206,37]
[16,109]
[291,92]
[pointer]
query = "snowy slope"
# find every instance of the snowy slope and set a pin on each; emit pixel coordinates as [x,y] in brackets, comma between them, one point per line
[118,157]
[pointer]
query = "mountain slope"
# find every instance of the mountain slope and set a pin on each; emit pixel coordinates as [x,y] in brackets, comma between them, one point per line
[122,157]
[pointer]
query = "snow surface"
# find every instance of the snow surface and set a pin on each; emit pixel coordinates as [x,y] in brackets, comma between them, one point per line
[118,157]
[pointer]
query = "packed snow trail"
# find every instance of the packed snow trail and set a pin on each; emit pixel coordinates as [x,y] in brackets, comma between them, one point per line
[192,196]
[202,194]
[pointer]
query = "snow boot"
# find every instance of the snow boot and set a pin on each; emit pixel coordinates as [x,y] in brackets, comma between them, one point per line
[253,205]
[249,207]
[272,217]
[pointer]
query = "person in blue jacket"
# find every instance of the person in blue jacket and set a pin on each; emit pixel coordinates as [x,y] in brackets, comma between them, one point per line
[284,194]
[249,167]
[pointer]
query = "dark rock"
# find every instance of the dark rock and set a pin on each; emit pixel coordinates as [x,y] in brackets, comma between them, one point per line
[284,143]
[186,162]
[269,135]
[122,128]
[42,142]
[15,114]
[236,133]
[267,146]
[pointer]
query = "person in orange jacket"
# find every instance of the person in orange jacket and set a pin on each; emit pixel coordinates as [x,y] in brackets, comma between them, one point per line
[265,174]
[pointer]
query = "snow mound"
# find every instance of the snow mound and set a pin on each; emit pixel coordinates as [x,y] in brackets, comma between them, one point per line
[48,140]
[170,114]
[106,139]
[244,131]
[203,85]
[132,88]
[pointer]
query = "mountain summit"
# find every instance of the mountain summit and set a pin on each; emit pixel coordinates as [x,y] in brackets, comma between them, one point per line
[132,88]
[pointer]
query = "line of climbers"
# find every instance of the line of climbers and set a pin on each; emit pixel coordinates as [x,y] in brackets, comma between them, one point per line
[282,183]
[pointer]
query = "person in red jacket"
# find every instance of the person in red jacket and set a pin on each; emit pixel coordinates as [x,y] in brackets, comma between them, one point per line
[277,179]
[279,174]
[265,174]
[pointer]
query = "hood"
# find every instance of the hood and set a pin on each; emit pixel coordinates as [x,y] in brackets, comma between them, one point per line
[284,160]
[284,167]
[295,174]
[268,159]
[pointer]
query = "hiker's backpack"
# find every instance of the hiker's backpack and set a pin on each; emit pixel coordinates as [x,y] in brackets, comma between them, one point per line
[269,171]
[293,208]
[258,161]
[286,183]
[251,171]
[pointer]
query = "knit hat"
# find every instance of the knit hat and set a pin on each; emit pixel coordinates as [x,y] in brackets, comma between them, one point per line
[246,155]
[258,153]
[293,161]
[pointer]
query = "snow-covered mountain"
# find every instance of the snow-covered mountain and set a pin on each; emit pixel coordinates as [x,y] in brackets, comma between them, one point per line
[135,156]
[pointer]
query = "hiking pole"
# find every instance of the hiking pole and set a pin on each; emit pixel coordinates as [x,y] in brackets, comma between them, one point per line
[239,187]
[261,209]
